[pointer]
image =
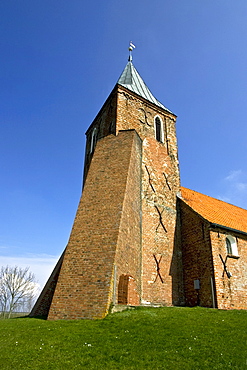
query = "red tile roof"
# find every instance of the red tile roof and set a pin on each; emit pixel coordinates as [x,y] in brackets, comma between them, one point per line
[215,210]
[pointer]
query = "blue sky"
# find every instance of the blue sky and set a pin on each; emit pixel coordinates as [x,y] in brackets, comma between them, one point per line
[60,60]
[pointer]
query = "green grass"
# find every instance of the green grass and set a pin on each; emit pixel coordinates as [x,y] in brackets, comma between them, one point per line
[143,338]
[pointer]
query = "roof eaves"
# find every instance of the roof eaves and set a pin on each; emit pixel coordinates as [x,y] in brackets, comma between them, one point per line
[137,85]
[161,106]
[214,225]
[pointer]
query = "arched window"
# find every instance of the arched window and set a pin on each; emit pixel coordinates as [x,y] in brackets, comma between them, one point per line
[158,129]
[93,140]
[228,246]
[231,246]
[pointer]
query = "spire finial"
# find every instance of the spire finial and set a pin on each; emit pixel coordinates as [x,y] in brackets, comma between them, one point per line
[131,47]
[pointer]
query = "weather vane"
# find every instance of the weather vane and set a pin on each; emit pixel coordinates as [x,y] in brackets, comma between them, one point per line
[131,47]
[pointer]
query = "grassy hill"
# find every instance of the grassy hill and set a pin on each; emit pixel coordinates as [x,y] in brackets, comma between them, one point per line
[142,338]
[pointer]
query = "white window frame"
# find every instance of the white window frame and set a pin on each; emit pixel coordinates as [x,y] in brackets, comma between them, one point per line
[234,246]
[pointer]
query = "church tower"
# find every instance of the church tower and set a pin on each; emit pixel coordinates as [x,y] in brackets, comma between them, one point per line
[124,245]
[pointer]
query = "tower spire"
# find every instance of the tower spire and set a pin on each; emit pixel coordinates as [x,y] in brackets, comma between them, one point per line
[131,47]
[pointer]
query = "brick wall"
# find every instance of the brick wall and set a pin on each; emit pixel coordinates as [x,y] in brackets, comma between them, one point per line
[86,281]
[231,292]
[202,246]
[197,258]
[160,184]
[128,253]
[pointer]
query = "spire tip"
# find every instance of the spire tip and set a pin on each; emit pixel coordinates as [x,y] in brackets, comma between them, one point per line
[131,48]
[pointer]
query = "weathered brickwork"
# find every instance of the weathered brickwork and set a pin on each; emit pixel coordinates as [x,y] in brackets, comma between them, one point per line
[222,276]
[161,280]
[231,291]
[197,258]
[85,285]
[128,253]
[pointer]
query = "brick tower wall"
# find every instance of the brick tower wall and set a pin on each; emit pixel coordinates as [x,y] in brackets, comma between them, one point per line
[88,275]
[160,185]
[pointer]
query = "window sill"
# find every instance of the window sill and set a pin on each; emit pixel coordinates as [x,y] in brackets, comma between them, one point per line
[233,256]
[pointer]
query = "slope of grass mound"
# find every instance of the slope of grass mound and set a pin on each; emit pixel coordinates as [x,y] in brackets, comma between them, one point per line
[143,338]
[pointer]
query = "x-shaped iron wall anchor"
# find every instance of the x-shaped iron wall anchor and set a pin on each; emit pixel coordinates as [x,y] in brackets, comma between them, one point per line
[145,117]
[161,221]
[149,179]
[228,274]
[166,178]
[158,268]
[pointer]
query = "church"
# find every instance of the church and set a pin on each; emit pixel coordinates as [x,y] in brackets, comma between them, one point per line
[138,237]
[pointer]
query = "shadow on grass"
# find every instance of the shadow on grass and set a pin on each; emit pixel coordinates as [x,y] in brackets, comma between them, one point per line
[23,317]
